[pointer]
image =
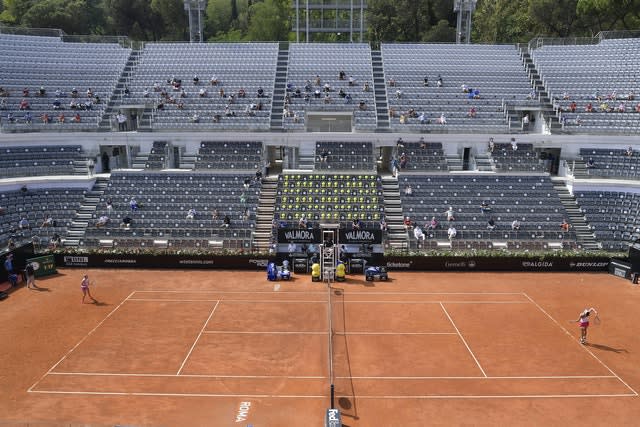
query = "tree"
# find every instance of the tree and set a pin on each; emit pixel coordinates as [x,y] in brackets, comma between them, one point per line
[269,21]
[173,18]
[605,15]
[14,10]
[69,15]
[441,32]
[399,20]
[502,21]
[555,18]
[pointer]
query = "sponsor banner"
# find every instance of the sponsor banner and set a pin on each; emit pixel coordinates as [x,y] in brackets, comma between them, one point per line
[421,263]
[161,261]
[43,265]
[333,418]
[298,235]
[349,237]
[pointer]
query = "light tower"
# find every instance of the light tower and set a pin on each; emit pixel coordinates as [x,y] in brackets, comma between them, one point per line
[195,11]
[464,9]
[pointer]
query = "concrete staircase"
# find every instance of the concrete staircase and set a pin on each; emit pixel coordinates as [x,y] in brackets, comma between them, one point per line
[140,161]
[543,95]
[454,162]
[115,100]
[84,215]
[580,169]
[483,162]
[380,91]
[397,237]
[262,237]
[188,161]
[306,157]
[277,99]
[584,235]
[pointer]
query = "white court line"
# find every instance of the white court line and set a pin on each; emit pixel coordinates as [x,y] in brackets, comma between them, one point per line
[275,396]
[463,340]
[228,292]
[561,377]
[226,300]
[104,374]
[433,302]
[122,393]
[322,293]
[584,347]
[80,342]
[268,332]
[393,333]
[197,338]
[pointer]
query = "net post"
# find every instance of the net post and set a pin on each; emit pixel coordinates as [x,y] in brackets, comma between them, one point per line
[333,397]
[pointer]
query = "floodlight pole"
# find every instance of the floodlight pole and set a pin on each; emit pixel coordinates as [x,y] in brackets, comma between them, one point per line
[195,12]
[464,9]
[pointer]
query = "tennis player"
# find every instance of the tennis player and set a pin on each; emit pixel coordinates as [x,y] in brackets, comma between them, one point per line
[583,320]
[84,285]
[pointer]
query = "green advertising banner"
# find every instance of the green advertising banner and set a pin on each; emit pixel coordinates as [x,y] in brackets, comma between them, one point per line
[44,265]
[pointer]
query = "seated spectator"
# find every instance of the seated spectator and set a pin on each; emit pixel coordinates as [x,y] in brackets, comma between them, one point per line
[191,214]
[565,226]
[383,225]
[221,92]
[352,81]
[55,241]
[638,107]
[589,108]
[10,117]
[196,80]
[347,99]
[418,233]
[362,106]
[472,112]
[23,224]
[439,81]
[216,118]
[514,144]
[398,94]
[48,222]
[452,232]
[573,106]
[433,224]
[133,204]
[242,93]
[590,163]
[366,87]
[214,80]
[604,107]
[145,93]
[195,118]
[491,224]
[565,96]
[515,225]
[258,177]
[326,88]
[342,93]
[89,93]
[260,93]
[425,81]
[102,221]
[485,207]
[156,87]
[24,104]
[57,105]
[356,224]
[25,92]
[629,152]
[465,88]
[180,105]
[126,222]
[183,94]
[45,118]
[492,145]
[61,118]
[442,120]
[403,162]
[202,93]
[73,104]
[622,107]
[450,214]
[532,95]
[74,93]
[408,224]
[423,118]
[476,93]
[342,75]
[226,221]
[27,118]
[403,119]
[392,82]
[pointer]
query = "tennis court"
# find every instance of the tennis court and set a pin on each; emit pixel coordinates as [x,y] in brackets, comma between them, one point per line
[229,348]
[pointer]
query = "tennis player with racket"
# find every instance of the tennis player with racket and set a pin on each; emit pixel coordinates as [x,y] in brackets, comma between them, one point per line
[583,320]
[84,285]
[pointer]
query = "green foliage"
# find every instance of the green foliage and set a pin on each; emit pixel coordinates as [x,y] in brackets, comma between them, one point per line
[269,21]
[502,21]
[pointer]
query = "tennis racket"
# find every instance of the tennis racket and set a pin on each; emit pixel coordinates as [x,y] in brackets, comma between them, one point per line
[93,283]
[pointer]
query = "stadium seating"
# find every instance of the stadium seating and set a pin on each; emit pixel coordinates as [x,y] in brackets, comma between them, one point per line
[164,200]
[249,66]
[423,156]
[614,217]
[326,61]
[30,62]
[34,205]
[612,163]
[603,75]
[344,156]
[37,160]
[529,199]
[236,155]
[524,159]
[407,65]
[329,198]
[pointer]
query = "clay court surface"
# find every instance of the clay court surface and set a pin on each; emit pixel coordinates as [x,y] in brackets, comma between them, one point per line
[221,348]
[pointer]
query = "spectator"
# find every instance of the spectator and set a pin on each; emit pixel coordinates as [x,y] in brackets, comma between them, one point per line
[451,232]
[221,92]
[202,93]
[423,118]
[243,198]
[638,107]
[214,80]
[55,241]
[439,81]
[260,93]
[196,80]
[589,108]
[629,152]
[622,107]
[258,175]
[485,207]
[226,222]
[472,113]
[122,121]
[366,87]
[195,118]
[398,94]
[126,222]
[24,104]
[48,222]
[515,225]
[514,144]
[492,145]
[8,266]
[10,117]
[433,224]
[392,82]
[383,225]
[355,224]
[442,120]
[425,81]
[61,118]
[525,121]
[418,233]
[352,81]
[450,214]
[191,214]
[27,118]
[23,224]
[133,204]
[565,226]
[491,224]
[590,163]
[573,106]
[102,221]
[45,118]
[76,118]
[342,75]
[532,95]
[109,206]
[145,93]
[465,88]
[408,191]
[302,223]
[408,224]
